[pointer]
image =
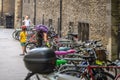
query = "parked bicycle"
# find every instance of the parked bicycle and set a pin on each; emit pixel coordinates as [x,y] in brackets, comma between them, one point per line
[39,64]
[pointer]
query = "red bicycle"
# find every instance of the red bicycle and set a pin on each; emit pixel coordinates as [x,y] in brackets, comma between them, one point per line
[104,75]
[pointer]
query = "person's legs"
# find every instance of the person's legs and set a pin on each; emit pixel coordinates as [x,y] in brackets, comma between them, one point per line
[39,42]
[23,48]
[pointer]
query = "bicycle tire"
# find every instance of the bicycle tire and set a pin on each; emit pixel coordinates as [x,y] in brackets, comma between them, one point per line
[29,46]
[104,76]
[17,35]
[114,70]
[75,73]
[13,35]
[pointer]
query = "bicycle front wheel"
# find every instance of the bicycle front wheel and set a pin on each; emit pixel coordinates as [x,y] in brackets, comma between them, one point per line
[75,73]
[29,46]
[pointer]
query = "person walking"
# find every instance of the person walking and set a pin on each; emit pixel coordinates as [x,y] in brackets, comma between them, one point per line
[27,22]
[23,38]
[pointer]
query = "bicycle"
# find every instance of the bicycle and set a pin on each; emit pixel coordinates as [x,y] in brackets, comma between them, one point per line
[88,72]
[93,61]
[111,77]
[16,33]
[74,71]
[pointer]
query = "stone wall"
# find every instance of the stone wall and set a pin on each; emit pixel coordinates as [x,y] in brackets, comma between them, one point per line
[8,6]
[28,9]
[94,12]
[18,14]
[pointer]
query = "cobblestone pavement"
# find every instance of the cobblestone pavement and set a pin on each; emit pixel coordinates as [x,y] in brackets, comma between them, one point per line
[11,64]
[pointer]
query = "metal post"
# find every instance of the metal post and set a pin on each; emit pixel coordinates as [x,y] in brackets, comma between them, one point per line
[50,23]
[58,29]
[118,54]
[43,19]
[21,12]
[60,17]
[34,12]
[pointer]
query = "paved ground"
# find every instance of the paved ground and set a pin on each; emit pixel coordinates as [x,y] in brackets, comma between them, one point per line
[11,64]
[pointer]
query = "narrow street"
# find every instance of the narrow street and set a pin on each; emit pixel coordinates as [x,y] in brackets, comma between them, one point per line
[11,63]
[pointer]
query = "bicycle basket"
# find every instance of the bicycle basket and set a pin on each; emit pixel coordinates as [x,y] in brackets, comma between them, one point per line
[101,55]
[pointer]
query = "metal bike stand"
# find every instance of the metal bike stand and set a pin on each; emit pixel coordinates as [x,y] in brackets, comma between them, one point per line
[29,75]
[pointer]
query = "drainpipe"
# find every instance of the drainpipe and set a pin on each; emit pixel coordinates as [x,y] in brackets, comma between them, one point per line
[21,12]
[34,12]
[60,18]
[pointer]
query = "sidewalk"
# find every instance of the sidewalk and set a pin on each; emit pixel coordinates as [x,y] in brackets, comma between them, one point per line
[11,64]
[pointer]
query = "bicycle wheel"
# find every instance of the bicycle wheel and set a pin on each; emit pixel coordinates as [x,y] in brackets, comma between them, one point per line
[75,73]
[13,34]
[118,77]
[111,70]
[17,35]
[104,76]
[29,46]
